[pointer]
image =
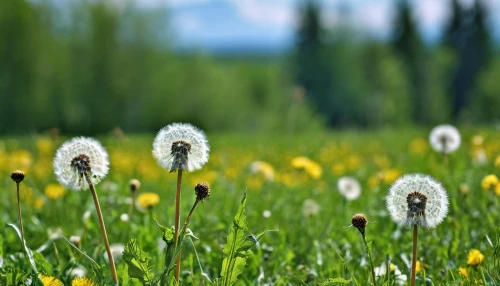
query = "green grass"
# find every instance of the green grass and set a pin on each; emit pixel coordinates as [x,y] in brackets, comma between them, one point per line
[303,249]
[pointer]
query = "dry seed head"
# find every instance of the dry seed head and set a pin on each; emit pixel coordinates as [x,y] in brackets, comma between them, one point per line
[202,191]
[359,221]
[416,208]
[134,185]
[81,163]
[181,146]
[17,176]
[445,138]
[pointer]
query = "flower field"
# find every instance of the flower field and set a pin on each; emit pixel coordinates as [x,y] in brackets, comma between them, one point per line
[292,192]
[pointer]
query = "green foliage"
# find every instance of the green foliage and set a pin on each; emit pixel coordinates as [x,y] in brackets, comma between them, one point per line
[237,248]
[137,262]
[335,282]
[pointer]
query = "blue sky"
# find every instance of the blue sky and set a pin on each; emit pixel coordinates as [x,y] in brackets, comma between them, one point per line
[270,24]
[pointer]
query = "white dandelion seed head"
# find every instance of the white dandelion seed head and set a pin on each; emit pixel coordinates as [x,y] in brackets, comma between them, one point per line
[181,146]
[310,208]
[417,199]
[349,188]
[445,138]
[91,154]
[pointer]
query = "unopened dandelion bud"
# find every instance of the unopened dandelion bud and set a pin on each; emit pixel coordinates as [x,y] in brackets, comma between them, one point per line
[17,176]
[202,191]
[359,221]
[134,185]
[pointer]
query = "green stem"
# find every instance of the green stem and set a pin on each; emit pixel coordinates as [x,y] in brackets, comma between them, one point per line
[20,218]
[103,229]
[177,224]
[414,256]
[371,259]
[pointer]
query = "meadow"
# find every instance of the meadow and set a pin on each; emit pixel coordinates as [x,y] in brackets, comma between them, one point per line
[308,240]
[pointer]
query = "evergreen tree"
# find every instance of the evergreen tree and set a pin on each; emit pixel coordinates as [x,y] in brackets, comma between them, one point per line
[313,72]
[408,44]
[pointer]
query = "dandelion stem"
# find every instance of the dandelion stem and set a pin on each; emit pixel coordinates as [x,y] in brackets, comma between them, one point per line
[370,257]
[20,218]
[103,228]
[414,256]
[184,228]
[177,224]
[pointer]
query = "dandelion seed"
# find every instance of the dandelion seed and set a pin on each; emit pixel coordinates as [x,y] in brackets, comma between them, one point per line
[417,200]
[266,213]
[82,281]
[475,257]
[181,146]
[349,188]
[445,139]
[79,156]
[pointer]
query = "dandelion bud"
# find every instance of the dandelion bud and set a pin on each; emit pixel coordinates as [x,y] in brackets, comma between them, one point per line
[359,221]
[202,191]
[17,176]
[134,185]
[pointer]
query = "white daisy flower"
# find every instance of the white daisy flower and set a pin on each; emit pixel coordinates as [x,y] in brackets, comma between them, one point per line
[77,158]
[181,146]
[445,138]
[349,188]
[417,199]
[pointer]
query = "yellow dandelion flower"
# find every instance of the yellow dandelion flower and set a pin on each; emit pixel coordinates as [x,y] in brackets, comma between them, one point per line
[418,146]
[45,146]
[338,169]
[391,175]
[475,257]
[54,191]
[22,159]
[463,271]
[489,182]
[420,267]
[373,181]
[300,162]
[147,200]
[264,168]
[39,203]
[254,183]
[82,281]
[50,280]
[312,168]
[497,161]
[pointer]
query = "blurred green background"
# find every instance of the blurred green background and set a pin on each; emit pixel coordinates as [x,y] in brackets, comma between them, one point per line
[86,67]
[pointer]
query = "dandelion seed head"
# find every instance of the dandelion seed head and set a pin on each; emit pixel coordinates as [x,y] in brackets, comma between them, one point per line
[349,188]
[202,191]
[181,146]
[445,138]
[77,157]
[417,199]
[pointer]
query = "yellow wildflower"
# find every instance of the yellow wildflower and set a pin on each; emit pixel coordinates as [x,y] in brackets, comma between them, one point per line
[50,280]
[463,271]
[338,169]
[312,168]
[254,183]
[264,168]
[374,181]
[464,188]
[489,182]
[418,267]
[147,200]
[54,191]
[82,281]
[22,159]
[44,146]
[418,146]
[475,257]
[497,161]
[391,175]
[38,204]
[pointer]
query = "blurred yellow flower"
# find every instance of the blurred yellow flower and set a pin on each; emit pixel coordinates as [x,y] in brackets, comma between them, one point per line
[254,183]
[391,175]
[381,161]
[54,191]
[463,271]
[338,169]
[39,203]
[312,168]
[20,159]
[497,161]
[475,257]
[353,162]
[420,267]
[50,280]
[464,188]
[82,281]
[418,146]
[492,183]
[203,176]
[264,168]
[44,146]
[374,181]
[147,200]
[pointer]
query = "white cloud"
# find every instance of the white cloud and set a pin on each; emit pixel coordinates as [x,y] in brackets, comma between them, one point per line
[431,13]
[272,14]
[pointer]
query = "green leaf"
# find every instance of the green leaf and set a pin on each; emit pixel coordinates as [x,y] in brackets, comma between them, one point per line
[44,265]
[25,247]
[137,262]
[335,281]
[237,248]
